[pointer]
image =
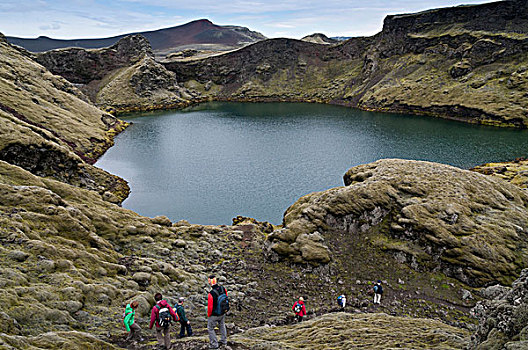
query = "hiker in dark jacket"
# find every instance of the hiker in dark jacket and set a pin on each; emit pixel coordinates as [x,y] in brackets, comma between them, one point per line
[214,316]
[341,301]
[300,309]
[128,321]
[161,304]
[378,292]
[184,322]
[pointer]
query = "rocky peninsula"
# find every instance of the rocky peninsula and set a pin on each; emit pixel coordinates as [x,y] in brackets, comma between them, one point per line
[445,241]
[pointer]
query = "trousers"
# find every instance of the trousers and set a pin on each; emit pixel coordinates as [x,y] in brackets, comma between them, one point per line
[212,321]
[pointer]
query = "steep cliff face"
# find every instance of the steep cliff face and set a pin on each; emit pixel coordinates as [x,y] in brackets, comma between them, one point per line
[500,16]
[431,217]
[466,63]
[81,66]
[50,128]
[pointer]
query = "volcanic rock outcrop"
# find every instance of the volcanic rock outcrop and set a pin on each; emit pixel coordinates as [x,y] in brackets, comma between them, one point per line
[433,217]
[80,66]
[503,317]
[121,77]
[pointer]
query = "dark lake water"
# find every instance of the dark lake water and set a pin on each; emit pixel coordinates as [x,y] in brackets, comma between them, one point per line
[212,162]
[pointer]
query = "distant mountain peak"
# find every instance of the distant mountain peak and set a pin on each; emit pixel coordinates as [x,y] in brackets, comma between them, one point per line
[200,31]
[203,20]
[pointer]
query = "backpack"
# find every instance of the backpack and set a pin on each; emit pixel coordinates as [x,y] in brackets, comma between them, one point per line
[340,300]
[376,288]
[178,310]
[164,316]
[222,302]
[297,308]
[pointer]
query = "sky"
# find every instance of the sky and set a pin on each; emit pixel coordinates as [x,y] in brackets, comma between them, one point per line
[72,19]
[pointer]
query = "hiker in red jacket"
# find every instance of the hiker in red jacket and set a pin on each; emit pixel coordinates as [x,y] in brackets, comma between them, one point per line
[299,309]
[161,315]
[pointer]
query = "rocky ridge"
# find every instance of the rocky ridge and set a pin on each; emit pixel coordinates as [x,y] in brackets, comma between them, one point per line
[466,63]
[347,331]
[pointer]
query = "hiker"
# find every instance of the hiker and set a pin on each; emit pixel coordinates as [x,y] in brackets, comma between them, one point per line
[184,322]
[341,301]
[378,291]
[217,306]
[128,321]
[162,315]
[299,309]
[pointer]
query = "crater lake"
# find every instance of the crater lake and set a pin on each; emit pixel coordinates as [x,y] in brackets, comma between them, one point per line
[209,163]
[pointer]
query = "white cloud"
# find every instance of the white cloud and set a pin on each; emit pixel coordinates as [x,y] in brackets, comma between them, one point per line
[282,25]
[51,26]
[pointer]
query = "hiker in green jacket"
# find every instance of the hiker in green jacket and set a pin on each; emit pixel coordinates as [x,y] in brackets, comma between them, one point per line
[184,322]
[129,323]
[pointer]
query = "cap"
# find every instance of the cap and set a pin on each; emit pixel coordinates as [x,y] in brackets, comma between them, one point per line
[181,299]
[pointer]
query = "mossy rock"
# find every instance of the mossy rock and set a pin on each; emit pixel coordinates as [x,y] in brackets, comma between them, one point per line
[439,217]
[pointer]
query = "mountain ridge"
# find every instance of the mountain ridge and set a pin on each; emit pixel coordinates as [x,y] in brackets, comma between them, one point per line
[195,32]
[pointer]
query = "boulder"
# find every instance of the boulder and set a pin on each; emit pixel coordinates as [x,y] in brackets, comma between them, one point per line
[180,243]
[502,320]
[142,278]
[18,255]
[161,220]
